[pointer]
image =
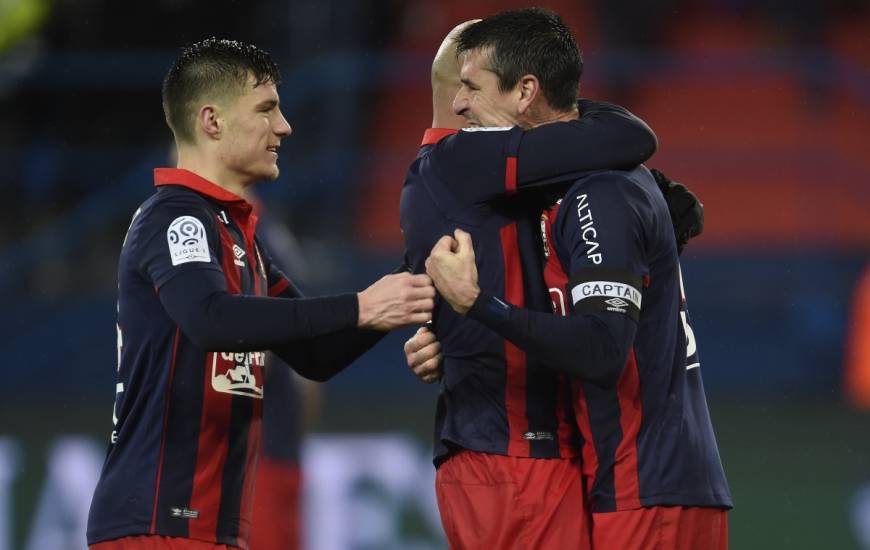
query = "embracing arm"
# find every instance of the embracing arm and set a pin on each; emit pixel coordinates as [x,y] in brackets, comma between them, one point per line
[592,347]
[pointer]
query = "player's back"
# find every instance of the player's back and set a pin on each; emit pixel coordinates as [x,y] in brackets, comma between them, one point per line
[649,439]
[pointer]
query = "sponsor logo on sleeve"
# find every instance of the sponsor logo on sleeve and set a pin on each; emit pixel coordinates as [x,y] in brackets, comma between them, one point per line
[587,230]
[187,241]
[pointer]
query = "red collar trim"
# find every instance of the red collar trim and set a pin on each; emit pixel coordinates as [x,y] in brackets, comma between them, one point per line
[186,178]
[433,135]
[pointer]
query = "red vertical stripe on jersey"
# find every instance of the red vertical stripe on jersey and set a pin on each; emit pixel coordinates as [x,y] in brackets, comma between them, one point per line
[211,454]
[626,479]
[510,174]
[253,452]
[515,376]
[167,399]
[213,444]
[279,287]
[557,281]
[230,269]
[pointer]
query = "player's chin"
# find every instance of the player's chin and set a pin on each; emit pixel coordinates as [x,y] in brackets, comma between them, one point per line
[270,173]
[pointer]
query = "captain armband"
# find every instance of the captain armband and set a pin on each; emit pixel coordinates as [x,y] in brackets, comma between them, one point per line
[598,289]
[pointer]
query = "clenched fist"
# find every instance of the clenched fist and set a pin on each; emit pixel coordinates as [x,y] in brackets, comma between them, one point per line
[452,268]
[423,354]
[395,301]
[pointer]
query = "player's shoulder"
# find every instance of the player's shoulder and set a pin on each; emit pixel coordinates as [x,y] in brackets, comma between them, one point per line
[467,143]
[634,187]
[175,200]
[171,206]
[609,196]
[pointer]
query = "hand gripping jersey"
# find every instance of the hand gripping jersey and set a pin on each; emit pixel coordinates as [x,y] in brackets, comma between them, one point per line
[494,398]
[648,439]
[187,421]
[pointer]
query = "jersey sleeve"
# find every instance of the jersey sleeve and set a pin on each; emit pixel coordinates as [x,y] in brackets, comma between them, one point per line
[481,164]
[177,236]
[599,237]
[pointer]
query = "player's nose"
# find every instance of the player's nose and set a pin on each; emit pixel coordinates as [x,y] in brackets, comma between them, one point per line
[283,128]
[460,103]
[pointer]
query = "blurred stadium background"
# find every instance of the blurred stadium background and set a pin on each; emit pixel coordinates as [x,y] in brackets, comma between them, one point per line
[762,108]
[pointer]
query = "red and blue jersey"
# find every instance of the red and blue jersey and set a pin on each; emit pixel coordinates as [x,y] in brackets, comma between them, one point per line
[494,398]
[648,439]
[187,421]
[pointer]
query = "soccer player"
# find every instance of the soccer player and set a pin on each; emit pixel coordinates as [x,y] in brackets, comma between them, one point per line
[622,335]
[505,448]
[199,302]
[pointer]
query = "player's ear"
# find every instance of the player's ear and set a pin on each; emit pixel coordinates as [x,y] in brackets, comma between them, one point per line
[208,121]
[529,86]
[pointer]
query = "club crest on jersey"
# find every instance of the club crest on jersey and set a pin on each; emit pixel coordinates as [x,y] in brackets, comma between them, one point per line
[187,241]
[239,373]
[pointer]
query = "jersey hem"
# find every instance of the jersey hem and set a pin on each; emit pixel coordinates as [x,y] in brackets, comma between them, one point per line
[667,499]
[453,447]
[128,531]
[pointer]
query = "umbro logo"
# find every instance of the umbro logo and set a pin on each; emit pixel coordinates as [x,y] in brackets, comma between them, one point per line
[538,436]
[183,513]
[616,302]
[239,254]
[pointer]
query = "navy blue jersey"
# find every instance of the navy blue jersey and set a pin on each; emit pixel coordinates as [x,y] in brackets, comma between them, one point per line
[648,439]
[493,397]
[186,421]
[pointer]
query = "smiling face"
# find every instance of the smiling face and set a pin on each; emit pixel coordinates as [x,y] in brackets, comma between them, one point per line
[253,127]
[479,100]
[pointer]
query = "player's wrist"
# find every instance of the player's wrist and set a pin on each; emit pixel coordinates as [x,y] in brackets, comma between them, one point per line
[363,318]
[467,300]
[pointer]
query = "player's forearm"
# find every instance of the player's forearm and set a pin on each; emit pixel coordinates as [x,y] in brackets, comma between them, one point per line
[606,136]
[323,357]
[590,347]
[218,321]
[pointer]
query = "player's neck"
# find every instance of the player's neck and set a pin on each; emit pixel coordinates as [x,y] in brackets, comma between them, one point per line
[546,115]
[214,172]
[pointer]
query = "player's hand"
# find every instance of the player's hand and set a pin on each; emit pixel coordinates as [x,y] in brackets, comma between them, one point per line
[451,267]
[423,354]
[687,212]
[395,301]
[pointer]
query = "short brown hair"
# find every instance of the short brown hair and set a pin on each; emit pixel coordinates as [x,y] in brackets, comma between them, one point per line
[211,66]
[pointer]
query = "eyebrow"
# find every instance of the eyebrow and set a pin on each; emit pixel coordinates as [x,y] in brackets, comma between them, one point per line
[268,104]
[469,83]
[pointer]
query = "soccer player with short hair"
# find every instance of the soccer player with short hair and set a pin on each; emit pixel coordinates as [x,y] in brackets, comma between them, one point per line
[649,454]
[505,446]
[199,303]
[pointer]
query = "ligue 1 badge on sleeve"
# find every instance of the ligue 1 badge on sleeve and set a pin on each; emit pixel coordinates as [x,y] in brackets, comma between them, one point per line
[187,241]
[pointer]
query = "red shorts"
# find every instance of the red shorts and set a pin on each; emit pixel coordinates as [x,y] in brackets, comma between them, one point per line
[276,524]
[496,502]
[661,527]
[157,542]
